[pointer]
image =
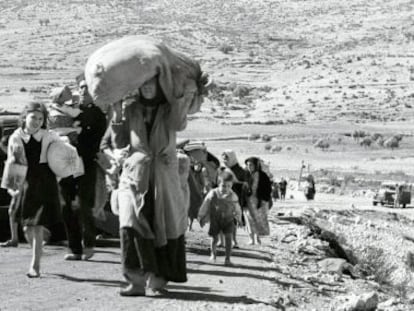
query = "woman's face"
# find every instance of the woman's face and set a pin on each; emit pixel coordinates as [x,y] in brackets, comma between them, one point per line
[250,167]
[149,89]
[225,159]
[34,121]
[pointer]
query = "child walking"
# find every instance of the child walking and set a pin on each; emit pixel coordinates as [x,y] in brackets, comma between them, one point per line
[221,207]
[37,191]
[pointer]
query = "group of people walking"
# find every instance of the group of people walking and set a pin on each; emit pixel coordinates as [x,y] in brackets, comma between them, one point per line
[148,192]
[36,198]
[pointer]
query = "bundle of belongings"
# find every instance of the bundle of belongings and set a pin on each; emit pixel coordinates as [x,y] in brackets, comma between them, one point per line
[120,67]
[62,112]
[62,156]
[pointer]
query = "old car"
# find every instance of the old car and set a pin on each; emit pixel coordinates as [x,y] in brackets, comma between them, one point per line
[387,191]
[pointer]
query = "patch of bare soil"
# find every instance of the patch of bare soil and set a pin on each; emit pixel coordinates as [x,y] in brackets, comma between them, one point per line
[287,272]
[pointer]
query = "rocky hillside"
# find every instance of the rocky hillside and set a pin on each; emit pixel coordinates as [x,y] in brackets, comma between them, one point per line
[303,60]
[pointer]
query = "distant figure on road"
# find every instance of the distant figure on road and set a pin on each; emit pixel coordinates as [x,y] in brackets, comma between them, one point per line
[397,196]
[310,189]
[282,187]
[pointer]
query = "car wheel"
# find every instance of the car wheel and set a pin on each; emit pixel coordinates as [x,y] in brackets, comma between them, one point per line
[375,203]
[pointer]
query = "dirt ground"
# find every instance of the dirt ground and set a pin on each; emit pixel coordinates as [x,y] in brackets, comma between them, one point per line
[271,276]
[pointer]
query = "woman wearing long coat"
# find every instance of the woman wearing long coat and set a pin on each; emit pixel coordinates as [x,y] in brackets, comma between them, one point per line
[152,207]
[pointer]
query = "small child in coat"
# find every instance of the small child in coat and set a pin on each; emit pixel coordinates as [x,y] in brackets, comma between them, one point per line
[221,207]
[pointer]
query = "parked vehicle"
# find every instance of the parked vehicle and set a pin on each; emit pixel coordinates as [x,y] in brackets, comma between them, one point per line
[387,191]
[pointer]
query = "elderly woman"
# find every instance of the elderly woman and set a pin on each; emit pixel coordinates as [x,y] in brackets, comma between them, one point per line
[258,201]
[152,207]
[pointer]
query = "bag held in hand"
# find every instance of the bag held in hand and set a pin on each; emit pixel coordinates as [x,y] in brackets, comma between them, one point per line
[14,176]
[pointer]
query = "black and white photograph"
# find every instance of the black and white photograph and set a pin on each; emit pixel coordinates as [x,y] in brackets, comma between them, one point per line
[207,155]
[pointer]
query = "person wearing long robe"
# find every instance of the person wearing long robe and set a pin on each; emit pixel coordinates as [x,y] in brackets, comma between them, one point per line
[256,214]
[152,208]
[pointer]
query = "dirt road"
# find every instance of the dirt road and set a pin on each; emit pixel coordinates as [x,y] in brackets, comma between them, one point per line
[94,285]
[271,276]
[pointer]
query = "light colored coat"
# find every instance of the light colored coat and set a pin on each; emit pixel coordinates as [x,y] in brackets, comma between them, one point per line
[154,161]
[16,153]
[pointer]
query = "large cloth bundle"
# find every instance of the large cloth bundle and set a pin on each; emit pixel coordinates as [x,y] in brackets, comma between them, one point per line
[64,160]
[122,66]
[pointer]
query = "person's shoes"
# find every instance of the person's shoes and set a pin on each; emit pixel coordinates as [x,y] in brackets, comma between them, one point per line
[213,258]
[132,290]
[228,263]
[87,253]
[33,273]
[236,246]
[9,243]
[156,292]
[72,256]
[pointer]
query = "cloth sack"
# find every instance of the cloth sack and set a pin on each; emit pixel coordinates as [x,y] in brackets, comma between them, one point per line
[63,159]
[14,176]
[122,66]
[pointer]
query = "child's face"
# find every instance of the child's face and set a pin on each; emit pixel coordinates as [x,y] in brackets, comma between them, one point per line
[225,187]
[34,121]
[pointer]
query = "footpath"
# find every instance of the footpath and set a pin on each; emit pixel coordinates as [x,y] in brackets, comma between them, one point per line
[282,273]
[94,284]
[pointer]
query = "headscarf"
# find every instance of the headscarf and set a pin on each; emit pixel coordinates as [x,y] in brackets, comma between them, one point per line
[231,157]
[255,161]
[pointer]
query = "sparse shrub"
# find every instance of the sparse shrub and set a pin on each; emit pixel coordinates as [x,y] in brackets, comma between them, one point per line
[399,137]
[254,137]
[322,144]
[226,48]
[366,142]
[268,147]
[380,141]
[375,136]
[265,137]
[359,134]
[373,262]
[277,148]
[392,143]
[23,89]
[241,91]
[334,181]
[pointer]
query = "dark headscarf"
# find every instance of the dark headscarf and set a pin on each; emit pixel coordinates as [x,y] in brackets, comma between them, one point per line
[264,187]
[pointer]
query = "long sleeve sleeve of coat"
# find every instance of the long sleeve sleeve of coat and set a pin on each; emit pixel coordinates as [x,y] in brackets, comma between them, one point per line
[204,212]
[120,138]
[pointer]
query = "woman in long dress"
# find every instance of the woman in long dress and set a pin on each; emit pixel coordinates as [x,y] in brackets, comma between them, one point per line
[257,210]
[152,207]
